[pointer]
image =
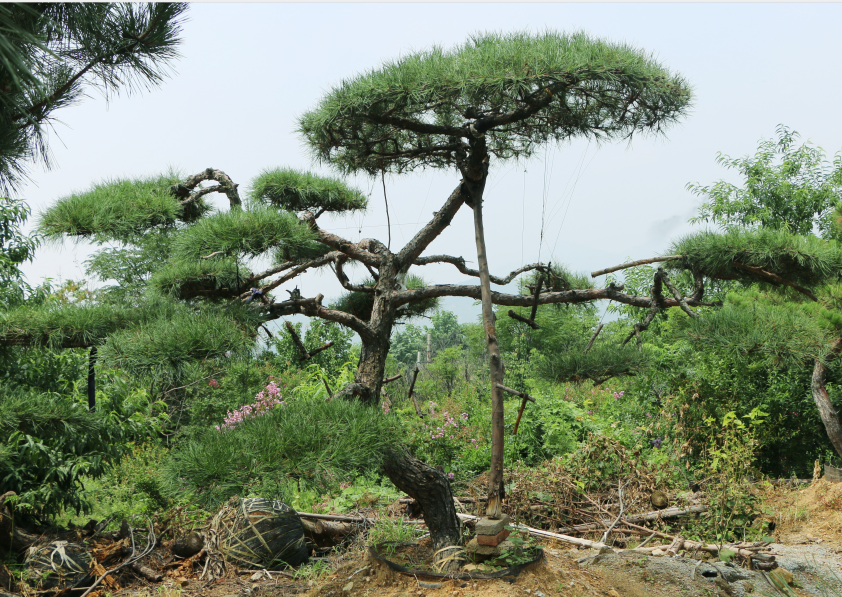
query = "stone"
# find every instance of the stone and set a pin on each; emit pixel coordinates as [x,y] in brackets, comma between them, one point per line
[724,586]
[658,552]
[487,526]
[539,594]
[659,499]
[469,567]
[348,588]
[748,587]
[613,593]
[256,576]
[493,540]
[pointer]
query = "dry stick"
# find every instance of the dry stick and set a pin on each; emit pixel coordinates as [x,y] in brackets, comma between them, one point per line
[681,300]
[775,278]
[648,539]
[547,534]
[316,351]
[305,356]
[608,270]
[593,338]
[350,518]
[391,379]
[524,397]
[412,393]
[673,512]
[523,319]
[150,545]
[619,516]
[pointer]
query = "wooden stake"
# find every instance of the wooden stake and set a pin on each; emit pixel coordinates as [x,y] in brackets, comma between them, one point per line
[593,338]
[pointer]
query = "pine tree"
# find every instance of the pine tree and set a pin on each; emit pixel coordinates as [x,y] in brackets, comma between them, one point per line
[495,97]
[50,52]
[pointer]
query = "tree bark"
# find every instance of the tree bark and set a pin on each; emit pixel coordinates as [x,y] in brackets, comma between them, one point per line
[431,489]
[829,416]
[494,508]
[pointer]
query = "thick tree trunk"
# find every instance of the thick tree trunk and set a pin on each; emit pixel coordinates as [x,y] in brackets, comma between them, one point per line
[829,416]
[431,489]
[370,370]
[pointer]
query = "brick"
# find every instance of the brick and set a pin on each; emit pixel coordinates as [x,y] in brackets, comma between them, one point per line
[493,540]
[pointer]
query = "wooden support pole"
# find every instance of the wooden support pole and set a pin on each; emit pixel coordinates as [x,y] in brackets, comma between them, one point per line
[525,398]
[411,393]
[535,299]
[305,356]
[593,338]
[92,379]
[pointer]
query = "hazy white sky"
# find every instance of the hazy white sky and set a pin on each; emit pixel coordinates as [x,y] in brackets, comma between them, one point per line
[248,70]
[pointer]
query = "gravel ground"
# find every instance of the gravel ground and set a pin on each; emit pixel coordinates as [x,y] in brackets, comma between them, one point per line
[812,566]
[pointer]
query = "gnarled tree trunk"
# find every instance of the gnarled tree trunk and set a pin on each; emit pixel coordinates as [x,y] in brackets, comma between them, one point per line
[431,489]
[829,416]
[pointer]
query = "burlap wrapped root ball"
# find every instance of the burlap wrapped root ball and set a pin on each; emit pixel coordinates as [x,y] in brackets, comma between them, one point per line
[257,533]
[58,565]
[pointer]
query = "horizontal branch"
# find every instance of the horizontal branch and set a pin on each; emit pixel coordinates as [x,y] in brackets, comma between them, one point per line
[459,263]
[312,307]
[184,190]
[299,269]
[415,126]
[530,322]
[608,270]
[441,220]
[584,295]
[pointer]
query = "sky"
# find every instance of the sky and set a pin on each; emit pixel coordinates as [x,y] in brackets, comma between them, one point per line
[248,71]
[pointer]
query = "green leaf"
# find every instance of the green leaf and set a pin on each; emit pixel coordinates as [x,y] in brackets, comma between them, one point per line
[726,554]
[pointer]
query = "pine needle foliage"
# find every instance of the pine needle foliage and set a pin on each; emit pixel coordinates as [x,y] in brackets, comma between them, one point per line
[241,233]
[50,52]
[299,252]
[604,361]
[409,112]
[63,326]
[309,442]
[165,348]
[116,209]
[207,278]
[765,327]
[295,190]
[803,260]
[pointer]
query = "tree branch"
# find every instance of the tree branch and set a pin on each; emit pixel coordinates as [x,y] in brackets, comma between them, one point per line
[303,267]
[539,100]
[343,279]
[417,127]
[441,220]
[775,278]
[613,292]
[459,262]
[681,301]
[184,190]
[656,303]
[608,270]
[312,307]
[355,251]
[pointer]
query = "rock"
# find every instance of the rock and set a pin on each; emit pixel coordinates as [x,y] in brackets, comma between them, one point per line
[187,546]
[613,593]
[469,567]
[733,573]
[348,588]
[539,594]
[487,526]
[659,499]
[658,552]
[256,576]
[724,586]
[748,587]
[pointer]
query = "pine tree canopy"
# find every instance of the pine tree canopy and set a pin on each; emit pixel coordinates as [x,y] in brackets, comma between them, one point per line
[296,191]
[767,328]
[750,255]
[117,209]
[205,278]
[518,90]
[50,52]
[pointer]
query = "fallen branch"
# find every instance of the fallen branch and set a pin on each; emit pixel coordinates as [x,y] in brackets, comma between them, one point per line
[546,534]
[355,519]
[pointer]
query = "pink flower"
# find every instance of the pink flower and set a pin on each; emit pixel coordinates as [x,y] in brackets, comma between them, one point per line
[213,383]
[450,475]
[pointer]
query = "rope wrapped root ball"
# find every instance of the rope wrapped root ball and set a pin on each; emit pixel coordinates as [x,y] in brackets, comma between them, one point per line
[259,533]
[59,565]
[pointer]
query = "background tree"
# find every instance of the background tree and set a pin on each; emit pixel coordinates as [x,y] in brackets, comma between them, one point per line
[49,53]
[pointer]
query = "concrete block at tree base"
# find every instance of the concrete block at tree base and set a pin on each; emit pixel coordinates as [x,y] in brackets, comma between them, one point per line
[833,473]
[487,526]
[488,553]
[493,540]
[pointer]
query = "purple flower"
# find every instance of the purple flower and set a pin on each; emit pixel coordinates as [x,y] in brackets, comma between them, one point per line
[450,475]
[657,442]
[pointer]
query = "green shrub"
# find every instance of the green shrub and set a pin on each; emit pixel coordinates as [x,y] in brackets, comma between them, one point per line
[308,443]
[49,443]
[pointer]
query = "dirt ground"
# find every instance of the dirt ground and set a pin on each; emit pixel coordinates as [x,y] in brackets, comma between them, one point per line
[808,532]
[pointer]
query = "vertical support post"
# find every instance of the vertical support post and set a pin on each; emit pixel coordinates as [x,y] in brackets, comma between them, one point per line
[92,379]
[494,507]
[429,348]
